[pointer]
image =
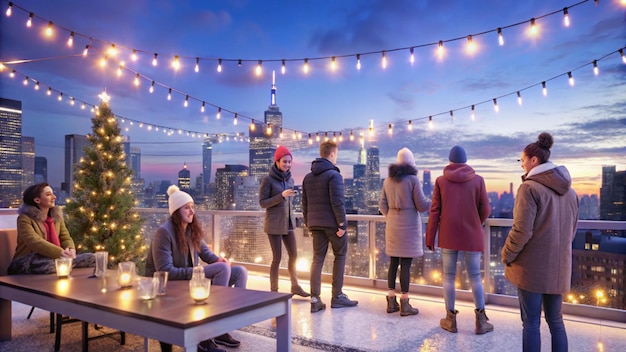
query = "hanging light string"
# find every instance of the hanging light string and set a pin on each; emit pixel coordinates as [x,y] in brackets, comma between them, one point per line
[336,135]
[219,61]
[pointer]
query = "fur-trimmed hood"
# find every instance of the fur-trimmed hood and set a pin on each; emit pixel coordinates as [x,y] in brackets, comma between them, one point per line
[37,214]
[398,171]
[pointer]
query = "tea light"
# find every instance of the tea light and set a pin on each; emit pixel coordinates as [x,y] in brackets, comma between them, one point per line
[63,266]
[199,294]
[124,280]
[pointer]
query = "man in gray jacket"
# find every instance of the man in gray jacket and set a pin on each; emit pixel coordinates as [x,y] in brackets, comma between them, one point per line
[325,216]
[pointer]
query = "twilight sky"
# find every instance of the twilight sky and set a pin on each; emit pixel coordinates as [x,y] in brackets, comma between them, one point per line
[587,120]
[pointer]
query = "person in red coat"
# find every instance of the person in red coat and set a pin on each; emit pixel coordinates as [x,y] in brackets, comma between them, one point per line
[459,208]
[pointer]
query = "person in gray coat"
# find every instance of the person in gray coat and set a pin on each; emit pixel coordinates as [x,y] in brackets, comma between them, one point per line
[401,200]
[275,197]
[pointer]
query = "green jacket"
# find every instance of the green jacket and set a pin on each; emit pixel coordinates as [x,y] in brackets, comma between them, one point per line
[31,233]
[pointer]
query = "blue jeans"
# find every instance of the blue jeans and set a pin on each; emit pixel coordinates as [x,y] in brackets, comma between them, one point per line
[530,308]
[321,239]
[472,264]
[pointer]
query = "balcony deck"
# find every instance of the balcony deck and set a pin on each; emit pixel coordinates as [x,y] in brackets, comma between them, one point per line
[365,328]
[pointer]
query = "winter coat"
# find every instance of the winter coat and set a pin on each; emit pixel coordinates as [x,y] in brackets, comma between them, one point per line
[278,210]
[460,206]
[401,200]
[166,255]
[538,249]
[323,197]
[31,233]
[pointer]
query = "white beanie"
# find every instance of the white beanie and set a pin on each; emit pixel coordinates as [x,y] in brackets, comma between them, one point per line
[177,198]
[405,156]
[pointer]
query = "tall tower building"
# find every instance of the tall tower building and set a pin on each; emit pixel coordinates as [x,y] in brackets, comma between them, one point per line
[359,182]
[207,155]
[28,161]
[41,169]
[225,184]
[428,186]
[184,178]
[613,194]
[74,144]
[372,175]
[264,138]
[10,152]
[135,162]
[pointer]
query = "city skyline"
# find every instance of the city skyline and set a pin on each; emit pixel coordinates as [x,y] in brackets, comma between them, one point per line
[587,120]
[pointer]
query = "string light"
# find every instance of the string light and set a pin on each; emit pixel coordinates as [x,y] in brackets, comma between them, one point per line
[186,103]
[202,107]
[519,98]
[621,52]
[258,68]
[120,69]
[500,37]
[137,80]
[565,17]
[154,60]
[25,82]
[112,50]
[430,122]
[310,140]
[37,85]
[70,40]
[390,129]
[9,9]
[333,64]
[176,63]
[169,94]
[133,56]
[471,47]
[219,65]
[533,28]
[152,87]
[317,136]
[473,113]
[29,22]
[596,71]
[283,67]
[49,29]
[358,62]
[60,98]
[72,102]
[305,68]
[383,62]
[495,105]
[252,125]
[325,136]
[410,125]
[351,136]
[49,92]
[235,119]
[451,116]
[411,56]
[440,50]
[544,89]
[86,51]
[570,79]
[218,114]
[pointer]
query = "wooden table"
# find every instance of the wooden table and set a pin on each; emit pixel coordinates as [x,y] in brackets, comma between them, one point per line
[173,318]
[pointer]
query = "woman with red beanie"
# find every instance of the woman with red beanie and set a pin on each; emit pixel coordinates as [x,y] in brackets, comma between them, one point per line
[275,197]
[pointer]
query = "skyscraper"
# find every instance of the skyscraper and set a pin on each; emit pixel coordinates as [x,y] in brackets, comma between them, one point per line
[613,194]
[207,155]
[74,144]
[427,187]
[372,175]
[264,137]
[359,182]
[28,161]
[41,169]
[10,152]
[184,179]
[135,162]
[225,185]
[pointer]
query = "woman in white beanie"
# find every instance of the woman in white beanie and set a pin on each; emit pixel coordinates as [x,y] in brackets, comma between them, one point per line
[401,201]
[275,197]
[177,247]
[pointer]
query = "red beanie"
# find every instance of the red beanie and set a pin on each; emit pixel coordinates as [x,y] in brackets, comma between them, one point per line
[280,152]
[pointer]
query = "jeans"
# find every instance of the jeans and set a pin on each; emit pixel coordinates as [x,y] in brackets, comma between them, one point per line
[223,274]
[321,239]
[472,264]
[530,308]
[290,244]
[405,273]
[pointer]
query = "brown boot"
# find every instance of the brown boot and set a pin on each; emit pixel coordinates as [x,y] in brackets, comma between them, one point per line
[392,305]
[406,309]
[482,326]
[449,322]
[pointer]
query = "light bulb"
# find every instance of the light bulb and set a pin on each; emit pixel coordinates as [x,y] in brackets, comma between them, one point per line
[86,51]
[36,85]
[259,70]
[440,50]
[383,62]
[390,129]
[219,65]
[137,80]
[544,89]
[566,22]
[252,126]
[186,103]
[169,94]
[305,68]
[570,79]
[202,107]
[112,50]
[176,63]
[351,135]
[495,105]
[152,87]
[451,115]
[358,62]
[60,96]
[70,40]
[9,10]
[49,29]
[500,37]
[333,64]
[283,67]
[133,56]
[411,56]
[218,114]
[154,60]
[29,22]
[235,119]
[25,82]
[533,28]
[430,122]
[410,126]
[471,47]
[473,113]
[49,92]
[595,67]
[519,98]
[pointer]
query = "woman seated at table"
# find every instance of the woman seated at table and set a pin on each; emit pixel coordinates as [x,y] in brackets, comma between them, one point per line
[42,235]
[177,247]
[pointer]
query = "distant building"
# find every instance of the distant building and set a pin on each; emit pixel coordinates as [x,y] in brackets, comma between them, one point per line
[184,178]
[135,162]
[246,193]
[225,184]
[10,152]
[74,145]
[28,161]
[207,156]
[372,176]
[428,186]
[589,207]
[41,169]
[613,194]
[264,137]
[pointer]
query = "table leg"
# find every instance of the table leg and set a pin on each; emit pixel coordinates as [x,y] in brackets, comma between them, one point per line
[5,320]
[283,329]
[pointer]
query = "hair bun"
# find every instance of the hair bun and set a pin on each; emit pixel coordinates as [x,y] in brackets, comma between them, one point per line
[545,140]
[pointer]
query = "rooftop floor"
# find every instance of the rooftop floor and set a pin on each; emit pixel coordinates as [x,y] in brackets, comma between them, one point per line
[367,327]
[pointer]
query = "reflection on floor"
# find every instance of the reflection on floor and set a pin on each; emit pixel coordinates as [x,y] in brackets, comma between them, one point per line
[367,327]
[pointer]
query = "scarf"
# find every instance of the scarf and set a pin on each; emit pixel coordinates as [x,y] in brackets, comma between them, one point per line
[51,232]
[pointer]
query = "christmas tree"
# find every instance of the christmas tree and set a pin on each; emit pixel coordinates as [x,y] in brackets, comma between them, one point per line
[99,214]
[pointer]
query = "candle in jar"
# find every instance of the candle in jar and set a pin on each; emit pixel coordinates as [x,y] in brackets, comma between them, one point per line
[63,269]
[199,293]
[124,279]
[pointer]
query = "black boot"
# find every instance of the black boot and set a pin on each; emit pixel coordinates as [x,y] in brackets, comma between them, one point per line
[392,305]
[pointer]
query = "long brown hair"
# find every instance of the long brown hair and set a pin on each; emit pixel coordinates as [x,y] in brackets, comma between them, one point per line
[195,227]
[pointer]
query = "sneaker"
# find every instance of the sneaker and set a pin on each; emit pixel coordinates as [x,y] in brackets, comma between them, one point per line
[226,340]
[342,301]
[317,305]
[209,346]
[297,290]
